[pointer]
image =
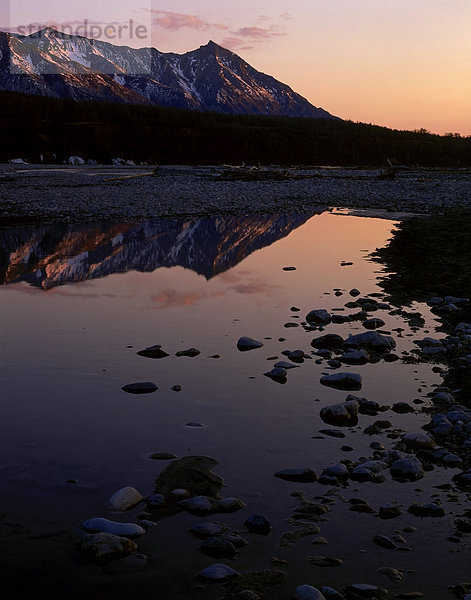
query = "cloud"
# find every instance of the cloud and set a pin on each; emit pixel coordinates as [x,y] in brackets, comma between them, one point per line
[173,21]
[241,38]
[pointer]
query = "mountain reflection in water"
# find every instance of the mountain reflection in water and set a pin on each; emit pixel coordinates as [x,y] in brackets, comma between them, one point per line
[52,255]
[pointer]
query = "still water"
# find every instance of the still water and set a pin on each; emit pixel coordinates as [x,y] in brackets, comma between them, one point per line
[77,305]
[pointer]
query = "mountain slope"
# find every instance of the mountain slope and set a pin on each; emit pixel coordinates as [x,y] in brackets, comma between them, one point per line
[54,64]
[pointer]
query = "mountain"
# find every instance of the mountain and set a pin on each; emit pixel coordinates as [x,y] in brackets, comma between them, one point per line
[51,255]
[211,78]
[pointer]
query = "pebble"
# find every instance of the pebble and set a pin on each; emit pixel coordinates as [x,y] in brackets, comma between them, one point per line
[384,542]
[283,364]
[331,341]
[371,339]
[199,506]
[155,502]
[99,525]
[402,408]
[375,323]
[389,511]
[124,499]
[218,572]
[145,387]
[102,547]
[277,374]
[325,561]
[331,594]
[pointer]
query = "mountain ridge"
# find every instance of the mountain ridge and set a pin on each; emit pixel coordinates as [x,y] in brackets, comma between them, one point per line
[209,78]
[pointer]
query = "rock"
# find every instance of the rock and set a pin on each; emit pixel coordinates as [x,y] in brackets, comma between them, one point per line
[102,547]
[128,530]
[235,539]
[277,374]
[124,499]
[156,502]
[298,475]
[191,476]
[463,525]
[191,352]
[373,323]
[229,505]
[393,574]
[218,572]
[176,388]
[354,292]
[390,357]
[342,381]
[245,343]
[289,268]
[335,433]
[418,441]
[342,415]
[283,364]
[163,456]
[402,408]
[320,541]
[246,595]
[258,524]
[407,469]
[384,542]
[308,592]
[325,561]
[371,340]
[389,511]
[199,506]
[153,352]
[463,479]
[355,357]
[339,472]
[432,509]
[75,160]
[364,590]
[130,564]
[297,356]
[17,161]
[318,317]
[331,594]
[218,547]
[146,387]
[330,341]
[204,531]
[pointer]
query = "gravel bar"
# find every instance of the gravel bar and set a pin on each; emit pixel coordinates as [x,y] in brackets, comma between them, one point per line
[81,194]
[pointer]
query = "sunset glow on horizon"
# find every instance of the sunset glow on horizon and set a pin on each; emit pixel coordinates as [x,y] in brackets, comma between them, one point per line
[403,64]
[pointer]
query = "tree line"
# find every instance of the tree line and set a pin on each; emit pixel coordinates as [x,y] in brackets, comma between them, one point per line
[32,127]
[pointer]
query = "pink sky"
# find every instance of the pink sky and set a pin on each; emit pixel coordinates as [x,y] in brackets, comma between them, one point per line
[404,64]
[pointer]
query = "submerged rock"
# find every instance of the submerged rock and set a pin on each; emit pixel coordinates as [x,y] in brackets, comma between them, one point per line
[153,352]
[298,475]
[218,547]
[191,352]
[330,341]
[102,547]
[207,530]
[364,590]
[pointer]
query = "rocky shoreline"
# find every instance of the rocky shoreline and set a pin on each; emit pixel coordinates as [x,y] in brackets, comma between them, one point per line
[99,193]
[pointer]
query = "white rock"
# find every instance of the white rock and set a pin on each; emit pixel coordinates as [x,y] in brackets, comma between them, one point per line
[124,499]
[98,525]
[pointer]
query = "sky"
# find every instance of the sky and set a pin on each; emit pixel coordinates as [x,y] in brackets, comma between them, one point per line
[404,64]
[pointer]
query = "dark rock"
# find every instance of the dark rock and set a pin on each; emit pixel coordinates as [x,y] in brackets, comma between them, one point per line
[432,509]
[344,414]
[102,547]
[218,572]
[373,323]
[153,352]
[297,475]
[372,340]
[318,317]
[402,408]
[245,343]
[330,341]
[191,352]
[146,387]
[384,542]
[390,511]
[258,524]
[218,547]
[204,531]
[342,381]
[364,590]
[407,469]
[325,561]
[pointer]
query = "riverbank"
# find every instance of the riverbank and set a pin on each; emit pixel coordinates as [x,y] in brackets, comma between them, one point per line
[98,193]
